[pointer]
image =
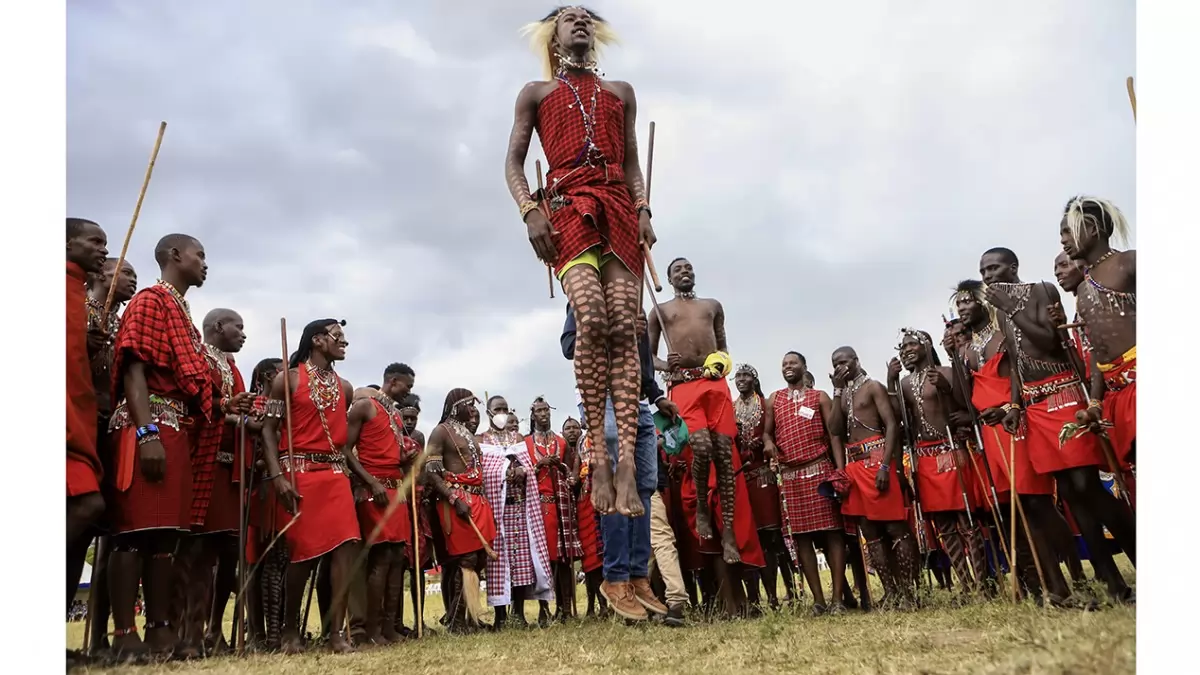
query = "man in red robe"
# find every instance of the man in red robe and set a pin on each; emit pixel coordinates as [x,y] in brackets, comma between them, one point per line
[421,553]
[762,486]
[589,225]
[264,589]
[454,466]
[166,431]
[797,435]
[552,458]
[376,431]
[306,466]
[87,249]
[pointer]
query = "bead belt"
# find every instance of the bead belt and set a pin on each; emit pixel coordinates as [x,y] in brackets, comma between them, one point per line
[871,451]
[469,489]
[164,411]
[301,462]
[687,375]
[225,458]
[548,499]
[1118,380]
[813,469]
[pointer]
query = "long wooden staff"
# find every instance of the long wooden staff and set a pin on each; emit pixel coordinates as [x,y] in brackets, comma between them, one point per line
[652,273]
[1132,97]
[102,550]
[545,208]
[137,209]
[416,547]
[287,402]
[239,621]
[1019,509]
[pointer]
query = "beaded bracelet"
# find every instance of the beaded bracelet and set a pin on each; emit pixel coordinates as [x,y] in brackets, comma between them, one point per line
[1094,403]
[642,205]
[527,207]
[146,438]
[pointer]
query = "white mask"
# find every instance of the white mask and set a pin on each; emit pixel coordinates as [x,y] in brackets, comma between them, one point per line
[500,420]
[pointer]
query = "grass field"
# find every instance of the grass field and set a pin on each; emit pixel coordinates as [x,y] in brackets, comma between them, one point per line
[985,637]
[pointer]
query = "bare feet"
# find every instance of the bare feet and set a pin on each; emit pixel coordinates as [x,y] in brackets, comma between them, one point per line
[292,644]
[604,497]
[703,521]
[729,547]
[338,644]
[628,502]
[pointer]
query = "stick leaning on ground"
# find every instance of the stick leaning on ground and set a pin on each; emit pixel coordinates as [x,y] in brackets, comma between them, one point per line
[137,209]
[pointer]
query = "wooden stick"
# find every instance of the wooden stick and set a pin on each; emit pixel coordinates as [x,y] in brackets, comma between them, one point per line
[486,547]
[287,400]
[649,179]
[416,549]
[1019,509]
[542,202]
[137,209]
[239,620]
[1132,97]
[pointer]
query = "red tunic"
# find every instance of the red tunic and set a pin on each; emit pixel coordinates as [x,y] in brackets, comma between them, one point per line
[943,474]
[993,390]
[760,479]
[382,448]
[157,330]
[83,461]
[223,508]
[804,459]
[327,518]
[589,201]
[863,460]
[1120,404]
[705,404]
[562,537]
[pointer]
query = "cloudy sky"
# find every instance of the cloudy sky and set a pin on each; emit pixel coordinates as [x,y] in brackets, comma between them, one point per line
[831,169]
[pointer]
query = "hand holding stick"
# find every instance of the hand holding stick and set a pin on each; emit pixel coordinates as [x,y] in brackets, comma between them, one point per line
[137,209]
[542,202]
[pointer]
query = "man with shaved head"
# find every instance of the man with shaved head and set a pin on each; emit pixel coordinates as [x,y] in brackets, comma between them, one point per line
[167,428]
[216,545]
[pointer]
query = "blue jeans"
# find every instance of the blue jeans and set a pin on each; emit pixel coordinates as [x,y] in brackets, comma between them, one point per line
[627,540]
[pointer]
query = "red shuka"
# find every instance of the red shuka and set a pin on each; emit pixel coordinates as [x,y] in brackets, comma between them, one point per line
[562,537]
[83,462]
[598,210]
[589,522]
[760,479]
[745,530]
[225,503]
[157,330]
[939,476]
[1045,419]
[1120,405]
[382,448]
[864,500]
[327,518]
[993,390]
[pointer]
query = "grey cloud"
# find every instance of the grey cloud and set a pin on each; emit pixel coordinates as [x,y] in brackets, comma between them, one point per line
[830,170]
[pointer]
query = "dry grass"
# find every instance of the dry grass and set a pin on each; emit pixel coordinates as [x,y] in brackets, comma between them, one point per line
[986,637]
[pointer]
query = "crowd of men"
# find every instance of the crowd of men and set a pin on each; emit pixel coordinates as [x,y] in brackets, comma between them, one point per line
[665,499]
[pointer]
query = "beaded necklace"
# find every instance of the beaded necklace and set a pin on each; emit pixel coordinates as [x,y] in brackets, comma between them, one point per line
[217,358]
[748,411]
[797,395]
[589,155]
[848,402]
[980,341]
[541,444]
[503,438]
[1021,293]
[686,295]
[917,384]
[1116,301]
[324,390]
[197,343]
[389,409]
[462,432]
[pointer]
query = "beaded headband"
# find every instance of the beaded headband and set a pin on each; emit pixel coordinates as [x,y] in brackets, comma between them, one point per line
[541,35]
[919,336]
[748,369]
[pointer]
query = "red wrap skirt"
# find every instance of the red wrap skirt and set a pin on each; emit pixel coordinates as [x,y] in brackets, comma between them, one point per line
[397,528]
[764,497]
[459,535]
[589,530]
[1045,419]
[223,508]
[744,529]
[804,510]
[943,478]
[326,513]
[165,505]
[864,500]
[705,404]
[1120,405]
[1000,448]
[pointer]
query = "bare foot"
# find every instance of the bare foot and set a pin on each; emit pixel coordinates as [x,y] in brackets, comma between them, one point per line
[338,644]
[292,644]
[703,521]
[604,497]
[729,547]
[628,502]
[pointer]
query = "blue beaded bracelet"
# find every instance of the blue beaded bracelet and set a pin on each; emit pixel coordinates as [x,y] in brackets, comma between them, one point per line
[148,430]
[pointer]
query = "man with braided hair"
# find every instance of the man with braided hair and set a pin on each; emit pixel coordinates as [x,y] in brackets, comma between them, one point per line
[454,466]
[597,222]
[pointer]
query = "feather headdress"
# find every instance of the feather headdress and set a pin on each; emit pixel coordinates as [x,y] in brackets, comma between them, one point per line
[543,41]
[1102,214]
[973,289]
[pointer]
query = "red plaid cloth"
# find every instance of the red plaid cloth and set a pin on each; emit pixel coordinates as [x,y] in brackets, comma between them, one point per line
[597,190]
[799,440]
[230,434]
[805,510]
[569,547]
[157,330]
[521,535]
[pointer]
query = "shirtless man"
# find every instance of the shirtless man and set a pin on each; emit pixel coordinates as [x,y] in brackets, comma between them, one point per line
[595,226]
[1107,303]
[943,472]
[454,466]
[1050,394]
[864,419]
[697,368]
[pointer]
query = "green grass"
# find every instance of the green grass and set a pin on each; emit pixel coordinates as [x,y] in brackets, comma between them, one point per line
[983,637]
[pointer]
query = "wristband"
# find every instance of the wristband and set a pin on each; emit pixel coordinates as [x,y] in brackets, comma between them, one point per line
[642,205]
[146,438]
[1094,403]
[149,429]
[526,207]
[837,391]
[884,466]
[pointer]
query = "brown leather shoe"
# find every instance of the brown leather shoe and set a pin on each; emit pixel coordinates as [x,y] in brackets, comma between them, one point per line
[643,594]
[621,600]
